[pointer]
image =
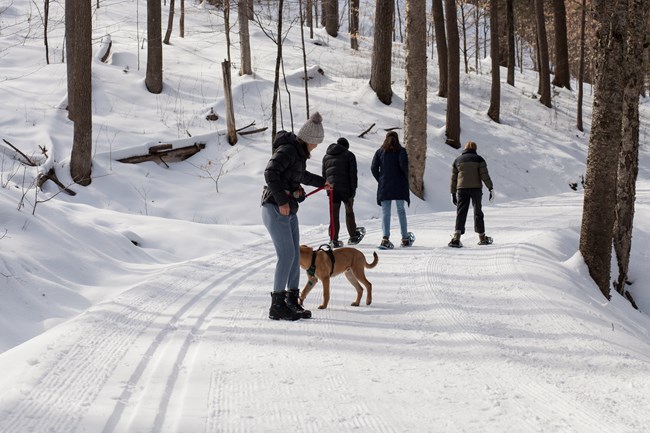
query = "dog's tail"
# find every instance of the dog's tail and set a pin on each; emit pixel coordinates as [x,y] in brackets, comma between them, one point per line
[374,262]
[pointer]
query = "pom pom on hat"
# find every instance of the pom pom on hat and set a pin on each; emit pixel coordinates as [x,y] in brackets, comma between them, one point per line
[312,131]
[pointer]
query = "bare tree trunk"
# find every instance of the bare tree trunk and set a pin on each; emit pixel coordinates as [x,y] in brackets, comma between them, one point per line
[170,23]
[510,23]
[415,101]
[354,24]
[453,76]
[70,40]
[46,20]
[304,59]
[154,77]
[244,39]
[542,44]
[441,45]
[81,59]
[562,73]
[251,9]
[628,165]
[495,94]
[380,72]
[276,80]
[226,25]
[332,18]
[581,72]
[477,38]
[463,22]
[230,111]
[181,20]
[599,210]
[309,17]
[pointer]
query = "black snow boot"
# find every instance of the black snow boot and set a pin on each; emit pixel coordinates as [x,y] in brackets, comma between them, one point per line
[279,309]
[294,304]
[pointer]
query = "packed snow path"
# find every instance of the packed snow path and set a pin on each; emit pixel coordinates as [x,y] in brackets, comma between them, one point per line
[192,350]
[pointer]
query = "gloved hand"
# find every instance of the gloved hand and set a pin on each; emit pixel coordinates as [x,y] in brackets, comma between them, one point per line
[454,200]
[491,196]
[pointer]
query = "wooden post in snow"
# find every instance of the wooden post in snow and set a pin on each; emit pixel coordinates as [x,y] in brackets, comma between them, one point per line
[230,113]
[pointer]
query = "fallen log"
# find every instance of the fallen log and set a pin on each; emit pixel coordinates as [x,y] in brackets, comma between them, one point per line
[163,154]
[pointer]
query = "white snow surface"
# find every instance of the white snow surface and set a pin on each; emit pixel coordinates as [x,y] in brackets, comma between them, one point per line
[172,334]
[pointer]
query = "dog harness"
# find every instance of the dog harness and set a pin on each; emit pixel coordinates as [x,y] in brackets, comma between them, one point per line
[328,249]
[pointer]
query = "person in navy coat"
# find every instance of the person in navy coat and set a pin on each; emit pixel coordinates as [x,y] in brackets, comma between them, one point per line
[390,169]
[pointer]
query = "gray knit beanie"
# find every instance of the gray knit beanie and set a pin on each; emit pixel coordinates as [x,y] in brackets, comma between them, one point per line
[312,131]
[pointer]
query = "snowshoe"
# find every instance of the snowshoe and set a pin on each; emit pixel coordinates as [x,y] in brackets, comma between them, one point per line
[485,240]
[358,236]
[336,244]
[408,241]
[455,243]
[386,244]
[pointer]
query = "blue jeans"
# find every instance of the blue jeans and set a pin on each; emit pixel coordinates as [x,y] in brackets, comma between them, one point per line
[286,239]
[385,217]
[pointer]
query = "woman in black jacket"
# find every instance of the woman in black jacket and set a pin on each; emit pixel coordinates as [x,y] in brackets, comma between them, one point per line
[284,174]
[390,167]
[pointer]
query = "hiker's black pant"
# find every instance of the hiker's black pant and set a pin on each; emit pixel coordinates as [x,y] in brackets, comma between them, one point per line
[349,218]
[465,195]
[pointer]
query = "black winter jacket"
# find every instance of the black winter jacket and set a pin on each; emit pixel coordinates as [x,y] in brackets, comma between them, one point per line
[286,170]
[340,169]
[468,171]
[391,170]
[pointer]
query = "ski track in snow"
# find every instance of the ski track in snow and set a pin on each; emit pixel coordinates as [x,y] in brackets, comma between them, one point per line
[192,350]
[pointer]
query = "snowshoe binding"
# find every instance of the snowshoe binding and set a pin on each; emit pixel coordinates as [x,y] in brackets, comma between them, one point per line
[386,244]
[358,236]
[408,241]
[485,240]
[334,243]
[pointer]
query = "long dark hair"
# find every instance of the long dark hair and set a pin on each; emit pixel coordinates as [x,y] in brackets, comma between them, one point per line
[391,142]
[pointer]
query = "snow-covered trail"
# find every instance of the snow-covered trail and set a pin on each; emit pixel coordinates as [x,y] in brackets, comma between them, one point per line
[192,349]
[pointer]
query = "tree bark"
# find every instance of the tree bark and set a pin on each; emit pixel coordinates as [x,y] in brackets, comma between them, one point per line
[599,213]
[495,93]
[81,60]
[415,101]
[581,71]
[354,24]
[628,166]
[170,23]
[510,24]
[542,48]
[244,39]
[380,72]
[453,76]
[332,18]
[154,80]
[562,73]
[441,45]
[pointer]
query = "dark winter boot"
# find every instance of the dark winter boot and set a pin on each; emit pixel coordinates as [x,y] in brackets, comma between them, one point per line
[484,240]
[279,309]
[455,241]
[294,304]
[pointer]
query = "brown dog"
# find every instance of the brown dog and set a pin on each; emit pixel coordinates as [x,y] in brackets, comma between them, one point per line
[318,264]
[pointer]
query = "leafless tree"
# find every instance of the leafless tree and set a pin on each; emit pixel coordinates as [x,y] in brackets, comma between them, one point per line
[599,213]
[415,102]
[154,76]
[78,45]
[453,76]
[170,23]
[244,39]
[380,72]
[495,94]
[562,73]
[542,52]
[441,45]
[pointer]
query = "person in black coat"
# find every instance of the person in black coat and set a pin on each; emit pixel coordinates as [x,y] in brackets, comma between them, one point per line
[390,167]
[284,174]
[340,169]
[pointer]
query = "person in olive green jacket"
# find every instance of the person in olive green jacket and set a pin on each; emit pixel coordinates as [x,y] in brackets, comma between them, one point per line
[468,174]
